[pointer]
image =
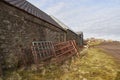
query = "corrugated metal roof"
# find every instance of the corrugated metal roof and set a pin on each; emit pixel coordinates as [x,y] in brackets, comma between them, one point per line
[28,7]
[62,24]
[79,33]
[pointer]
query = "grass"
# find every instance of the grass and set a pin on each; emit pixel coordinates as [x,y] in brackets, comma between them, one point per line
[94,43]
[93,64]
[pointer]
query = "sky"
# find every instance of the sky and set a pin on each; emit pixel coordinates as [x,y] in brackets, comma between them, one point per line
[95,18]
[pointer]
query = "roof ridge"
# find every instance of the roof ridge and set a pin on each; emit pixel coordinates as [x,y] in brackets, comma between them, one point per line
[33,10]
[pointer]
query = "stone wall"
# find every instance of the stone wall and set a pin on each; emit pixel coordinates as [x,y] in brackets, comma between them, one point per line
[73,36]
[81,41]
[18,29]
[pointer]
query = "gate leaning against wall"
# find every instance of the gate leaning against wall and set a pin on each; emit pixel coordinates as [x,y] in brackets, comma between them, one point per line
[42,50]
[46,50]
[65,50]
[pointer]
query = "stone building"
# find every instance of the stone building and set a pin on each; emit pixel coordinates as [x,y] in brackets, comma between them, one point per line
[81,38]
[20,24]
[71,35]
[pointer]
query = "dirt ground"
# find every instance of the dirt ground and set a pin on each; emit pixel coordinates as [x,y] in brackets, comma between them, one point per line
[112,48]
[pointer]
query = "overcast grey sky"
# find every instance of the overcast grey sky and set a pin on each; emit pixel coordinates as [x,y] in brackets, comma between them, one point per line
[96,18]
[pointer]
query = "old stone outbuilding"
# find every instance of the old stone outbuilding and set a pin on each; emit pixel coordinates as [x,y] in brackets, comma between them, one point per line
[20,24]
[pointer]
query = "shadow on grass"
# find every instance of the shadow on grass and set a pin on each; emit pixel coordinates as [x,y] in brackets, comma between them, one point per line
[118,76]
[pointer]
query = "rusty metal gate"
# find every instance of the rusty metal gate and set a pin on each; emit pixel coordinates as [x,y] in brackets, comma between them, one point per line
[65,50]
[45,50]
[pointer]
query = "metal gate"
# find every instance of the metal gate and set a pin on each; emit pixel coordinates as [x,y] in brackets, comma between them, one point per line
[65,50]
[42,50]
[45,50]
